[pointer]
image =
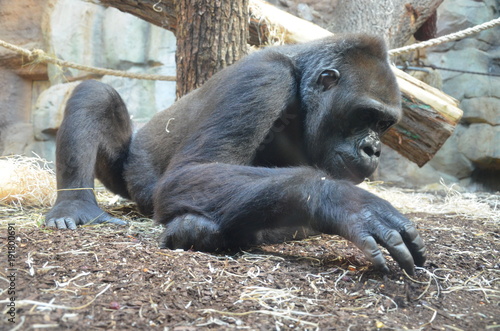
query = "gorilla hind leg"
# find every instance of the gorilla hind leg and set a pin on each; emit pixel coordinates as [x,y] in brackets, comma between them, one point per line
[93,140]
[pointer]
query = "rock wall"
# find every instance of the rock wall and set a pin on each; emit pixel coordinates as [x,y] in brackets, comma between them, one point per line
[20,23]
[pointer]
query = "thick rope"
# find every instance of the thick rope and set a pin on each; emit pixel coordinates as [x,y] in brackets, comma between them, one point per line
[447,38]
[38,55]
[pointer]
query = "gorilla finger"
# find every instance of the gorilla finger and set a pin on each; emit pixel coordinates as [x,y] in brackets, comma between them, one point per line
[415,243]
[396,246]
[50,223]
[70,223]
[371,250]
[116,221]
[61,223]
[412,239]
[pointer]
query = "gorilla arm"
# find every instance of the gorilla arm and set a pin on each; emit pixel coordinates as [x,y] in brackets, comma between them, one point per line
[243,201]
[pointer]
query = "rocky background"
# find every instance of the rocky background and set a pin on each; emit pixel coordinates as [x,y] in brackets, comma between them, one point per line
[32,96]
[32,101]
[471,156]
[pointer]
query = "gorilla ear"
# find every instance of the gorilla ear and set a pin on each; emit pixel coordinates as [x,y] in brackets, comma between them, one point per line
[329,78]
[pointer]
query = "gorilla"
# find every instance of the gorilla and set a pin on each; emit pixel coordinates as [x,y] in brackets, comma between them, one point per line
[269,147]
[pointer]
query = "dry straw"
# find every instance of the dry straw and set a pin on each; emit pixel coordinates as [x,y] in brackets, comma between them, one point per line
[26,181]
[446,201]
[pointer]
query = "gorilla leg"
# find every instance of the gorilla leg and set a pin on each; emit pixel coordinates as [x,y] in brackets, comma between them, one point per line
[93,140]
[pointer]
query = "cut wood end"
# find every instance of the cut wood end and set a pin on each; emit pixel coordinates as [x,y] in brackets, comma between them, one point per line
[446,105]
[295,29]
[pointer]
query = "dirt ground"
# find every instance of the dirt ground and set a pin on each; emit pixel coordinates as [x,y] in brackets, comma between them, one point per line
[109,277]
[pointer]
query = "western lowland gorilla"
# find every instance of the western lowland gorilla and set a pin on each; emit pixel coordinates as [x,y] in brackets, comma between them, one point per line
[269,145]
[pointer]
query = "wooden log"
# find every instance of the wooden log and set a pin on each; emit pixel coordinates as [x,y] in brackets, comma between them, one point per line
[429,115]
[276,26]
[429,118]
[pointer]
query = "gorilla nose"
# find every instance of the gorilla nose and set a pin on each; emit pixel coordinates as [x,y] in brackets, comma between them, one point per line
[370,147]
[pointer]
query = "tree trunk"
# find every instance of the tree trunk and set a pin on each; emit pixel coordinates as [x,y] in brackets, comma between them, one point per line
[210,36]
[396,20]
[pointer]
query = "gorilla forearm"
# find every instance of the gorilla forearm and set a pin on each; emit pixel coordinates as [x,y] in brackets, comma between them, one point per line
[245,200]
[258,194]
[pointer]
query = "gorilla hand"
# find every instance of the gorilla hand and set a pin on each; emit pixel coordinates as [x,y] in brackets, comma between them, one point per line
[367,221]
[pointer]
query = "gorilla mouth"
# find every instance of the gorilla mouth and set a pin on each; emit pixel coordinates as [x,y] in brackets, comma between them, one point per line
[353,170]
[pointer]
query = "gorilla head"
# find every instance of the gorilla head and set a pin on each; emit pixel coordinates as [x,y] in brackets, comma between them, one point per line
[349,101]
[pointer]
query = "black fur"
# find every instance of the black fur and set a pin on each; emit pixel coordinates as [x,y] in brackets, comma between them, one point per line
[266,149]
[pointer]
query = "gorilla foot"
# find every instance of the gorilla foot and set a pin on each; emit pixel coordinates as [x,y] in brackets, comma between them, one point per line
[192,232]
[68,214]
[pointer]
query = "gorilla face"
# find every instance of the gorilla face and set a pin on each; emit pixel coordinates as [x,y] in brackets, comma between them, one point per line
[353,148]
[358,100]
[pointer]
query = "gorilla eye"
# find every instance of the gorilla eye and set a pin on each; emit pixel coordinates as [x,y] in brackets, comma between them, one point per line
[329,78]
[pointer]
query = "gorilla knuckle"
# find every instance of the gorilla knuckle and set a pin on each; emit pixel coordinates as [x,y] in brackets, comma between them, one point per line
[393,238]
[408,229]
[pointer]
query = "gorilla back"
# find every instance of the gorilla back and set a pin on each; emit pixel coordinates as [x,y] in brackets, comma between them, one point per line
[268,145]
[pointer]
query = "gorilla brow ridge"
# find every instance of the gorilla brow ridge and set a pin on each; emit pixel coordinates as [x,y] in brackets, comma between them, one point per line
[365,44]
